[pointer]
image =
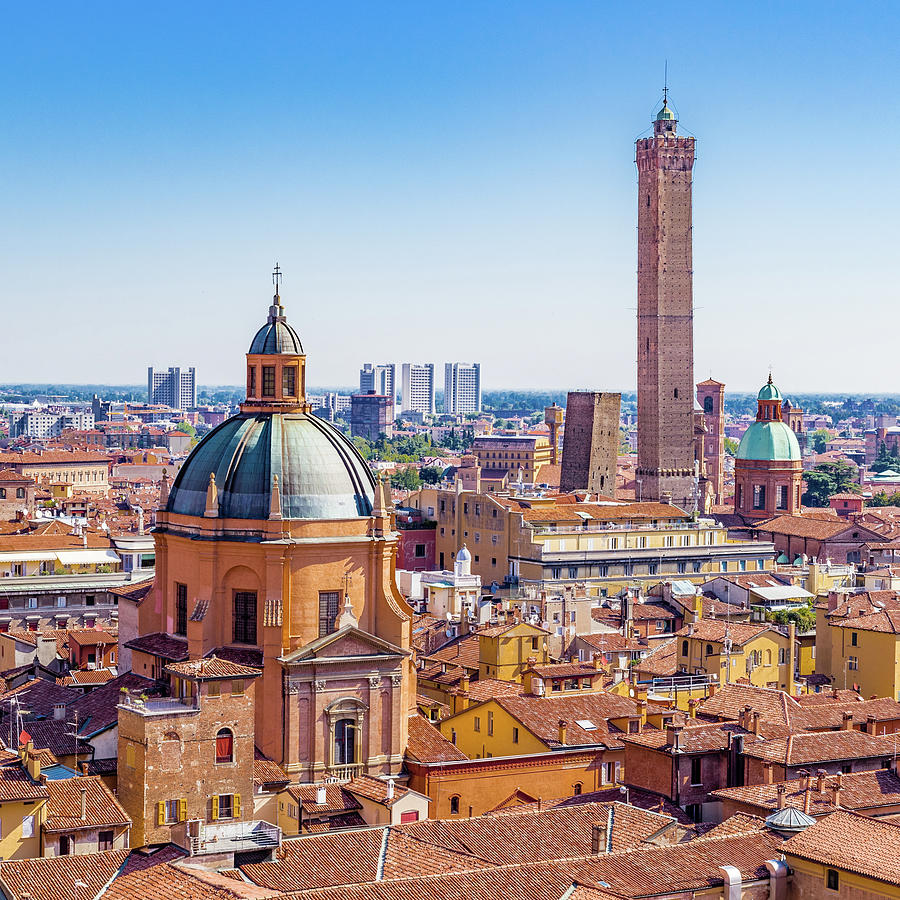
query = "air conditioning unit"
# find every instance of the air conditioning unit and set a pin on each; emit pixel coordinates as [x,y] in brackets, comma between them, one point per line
[91,666]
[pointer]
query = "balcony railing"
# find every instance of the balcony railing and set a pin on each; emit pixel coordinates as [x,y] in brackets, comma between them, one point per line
[158,706]
[345,773]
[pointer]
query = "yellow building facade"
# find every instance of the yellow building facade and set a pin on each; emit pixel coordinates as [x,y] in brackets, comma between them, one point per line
[552,540]
[731,652]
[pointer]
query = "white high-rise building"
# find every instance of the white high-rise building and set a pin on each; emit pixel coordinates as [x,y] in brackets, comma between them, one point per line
[173,387]
[462,388]
[378,380]
[418,388]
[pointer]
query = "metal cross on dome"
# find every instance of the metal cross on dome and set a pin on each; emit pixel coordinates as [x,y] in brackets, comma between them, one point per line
[277,276]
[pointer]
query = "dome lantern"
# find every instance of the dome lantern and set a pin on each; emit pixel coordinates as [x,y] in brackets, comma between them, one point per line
[276,363]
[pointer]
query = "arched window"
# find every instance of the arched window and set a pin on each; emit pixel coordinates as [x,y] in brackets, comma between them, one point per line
[707,404]
[768,657]
[344,742]
[454,806]
[576,788]
[684,648]
[245,617]
[2,493]
[709,649]
[225,746]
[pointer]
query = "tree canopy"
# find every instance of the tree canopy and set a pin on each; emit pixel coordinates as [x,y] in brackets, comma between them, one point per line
[828,479]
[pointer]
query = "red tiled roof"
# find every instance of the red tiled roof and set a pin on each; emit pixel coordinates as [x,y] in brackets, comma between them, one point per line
[693,739]
[53,877]
[375,789]
[854,843]
[811,747]
[63,811]
[337,799]
[426,744]
[211,667]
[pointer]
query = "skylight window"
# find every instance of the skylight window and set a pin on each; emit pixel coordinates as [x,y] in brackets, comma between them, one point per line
[586,724]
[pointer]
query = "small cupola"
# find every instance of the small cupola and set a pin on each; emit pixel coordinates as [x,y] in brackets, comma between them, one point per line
[276,363]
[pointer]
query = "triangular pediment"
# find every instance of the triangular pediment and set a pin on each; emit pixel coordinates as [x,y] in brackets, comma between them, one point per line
[349,642]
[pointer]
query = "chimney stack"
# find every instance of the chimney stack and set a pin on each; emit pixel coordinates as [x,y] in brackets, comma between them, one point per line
[836,795]
[599,838]
[390,789]
[321,795]
[820,780]
[673,736]
[804,779]
[807,800]
[871,725]
[779,795]
[83,802]
[755,723]
[847,724]
[767,768]
[563,725]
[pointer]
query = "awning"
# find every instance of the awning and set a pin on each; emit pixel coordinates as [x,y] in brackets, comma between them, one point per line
[86,557]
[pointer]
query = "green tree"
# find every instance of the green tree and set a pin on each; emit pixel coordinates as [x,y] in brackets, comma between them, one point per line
[828,479]
[186,428]
[731,446]
[407,479]
[819,438]
[431,474]
[804,617]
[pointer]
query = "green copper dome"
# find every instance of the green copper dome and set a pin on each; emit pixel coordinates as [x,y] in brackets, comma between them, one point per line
[665,114]
[769,440]
[321,475]
[769,391]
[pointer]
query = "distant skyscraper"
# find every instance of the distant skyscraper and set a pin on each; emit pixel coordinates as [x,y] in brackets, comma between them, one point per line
[665,314]
[418,388]
[462,388]
[378,379]
[173,387]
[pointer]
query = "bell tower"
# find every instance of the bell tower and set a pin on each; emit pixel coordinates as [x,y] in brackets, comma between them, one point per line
[665,356]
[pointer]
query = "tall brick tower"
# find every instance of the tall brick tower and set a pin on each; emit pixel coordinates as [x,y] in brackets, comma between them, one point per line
[711,397]
[665,314]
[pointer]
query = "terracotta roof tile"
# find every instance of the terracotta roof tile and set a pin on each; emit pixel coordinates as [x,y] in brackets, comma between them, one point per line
[63,809]
[693,739]
[52,877]
[730,700]
[811,747]
[162,645]
[426,744]
[714,630]
[851,842]
[211,667]
[337,799]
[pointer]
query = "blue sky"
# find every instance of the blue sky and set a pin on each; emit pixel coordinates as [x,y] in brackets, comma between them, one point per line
[443,181]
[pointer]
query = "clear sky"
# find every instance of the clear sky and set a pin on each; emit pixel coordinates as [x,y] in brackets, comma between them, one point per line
[443,181]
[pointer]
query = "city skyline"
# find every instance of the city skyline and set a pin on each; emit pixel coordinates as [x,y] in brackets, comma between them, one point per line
[472,172]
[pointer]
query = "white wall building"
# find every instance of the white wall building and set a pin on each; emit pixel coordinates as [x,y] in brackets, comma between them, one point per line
[462,388]
[380,379]
[418,388]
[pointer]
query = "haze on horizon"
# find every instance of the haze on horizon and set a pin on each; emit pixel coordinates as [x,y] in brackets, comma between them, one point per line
[442,183]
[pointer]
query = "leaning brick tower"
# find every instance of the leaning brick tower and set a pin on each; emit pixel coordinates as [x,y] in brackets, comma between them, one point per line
[665,314]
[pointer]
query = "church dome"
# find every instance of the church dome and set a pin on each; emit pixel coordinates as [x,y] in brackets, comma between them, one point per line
[276,336]
[768,391]
[665,114]
[769,441]
[320,473]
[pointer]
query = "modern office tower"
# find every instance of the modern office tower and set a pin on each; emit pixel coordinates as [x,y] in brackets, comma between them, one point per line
[418,388]
[378,379]
[665,386]
[462,388]
[173,387]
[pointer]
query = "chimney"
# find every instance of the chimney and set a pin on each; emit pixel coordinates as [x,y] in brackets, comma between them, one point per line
[83,802]
[464,683]
[820,780]
[390,789]
[692,707]
[563,725]
[779,796]
[598,661]
[847,724]
[321,795]
[642,709]
[871,725]
[599,838]
[836,795]
[673,736]
[711,689]
[807,800]
[755,724]
[839,779]
[804,779]
[59,710]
